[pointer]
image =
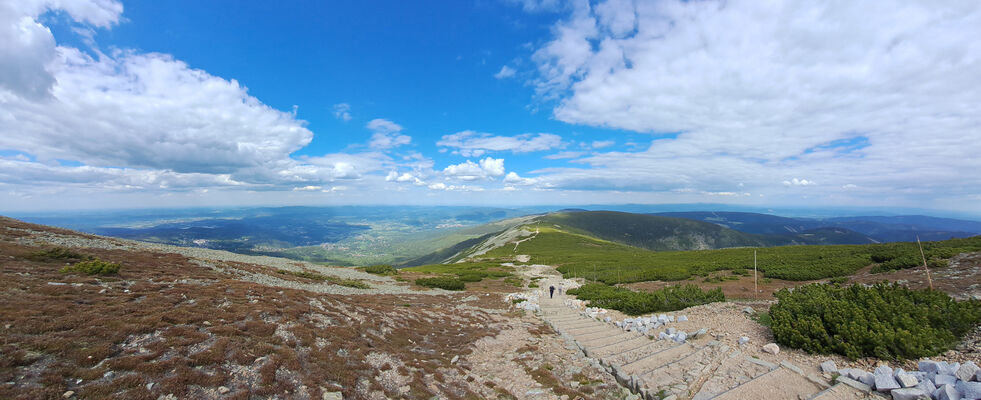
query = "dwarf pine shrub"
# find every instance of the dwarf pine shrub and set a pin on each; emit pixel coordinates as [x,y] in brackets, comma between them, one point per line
[630,302]
[441,283]
[885,321]
[94,267]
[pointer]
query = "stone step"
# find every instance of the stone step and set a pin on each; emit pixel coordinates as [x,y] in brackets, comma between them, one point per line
[579,323]
[840,391]
[684,375]
[735,370]
[609,336]
[656,359]
[641,351]
[576,332]
[599,351]
[781,383]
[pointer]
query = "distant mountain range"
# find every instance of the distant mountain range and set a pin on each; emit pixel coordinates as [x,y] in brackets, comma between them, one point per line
[903,228]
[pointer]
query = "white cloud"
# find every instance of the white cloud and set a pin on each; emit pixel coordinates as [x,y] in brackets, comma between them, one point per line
[565,154]
[342,111]
[882,95]
[386,134]
[475,144]
[505,72]
[308,188]
[540,5]
[456,188]
[471,171]
[599,144]
[148,111]
[27,48]
[514,178]
[798,182]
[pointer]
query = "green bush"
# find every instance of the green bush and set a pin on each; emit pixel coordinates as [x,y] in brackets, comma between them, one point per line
[884,321]
[94,267]
[839,280]
[381,270]
[441,283]
[630,302]
[57,253]
[533,285]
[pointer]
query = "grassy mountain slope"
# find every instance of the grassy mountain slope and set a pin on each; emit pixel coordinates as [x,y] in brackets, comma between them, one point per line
[581,244]
[651,232]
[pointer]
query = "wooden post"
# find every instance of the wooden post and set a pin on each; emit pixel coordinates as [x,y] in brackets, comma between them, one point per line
[756,285]
[924,262]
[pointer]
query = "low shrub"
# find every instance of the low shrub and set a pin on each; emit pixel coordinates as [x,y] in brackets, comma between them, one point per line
[58,253]
[630,302]
[93,267]
[839,280]
[884,321]
[533,285]
[441,283]
[352,283]
[381,270]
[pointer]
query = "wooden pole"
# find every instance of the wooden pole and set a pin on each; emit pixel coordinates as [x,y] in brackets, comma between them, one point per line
[756,285]
[924,262]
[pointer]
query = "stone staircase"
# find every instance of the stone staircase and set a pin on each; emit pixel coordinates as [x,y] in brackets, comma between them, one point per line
[699,369]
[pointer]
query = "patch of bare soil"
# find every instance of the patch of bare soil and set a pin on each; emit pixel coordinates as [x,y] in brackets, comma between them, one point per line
[961,278]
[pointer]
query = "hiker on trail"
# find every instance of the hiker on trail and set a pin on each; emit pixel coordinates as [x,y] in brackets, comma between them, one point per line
[560,290]
[551,291]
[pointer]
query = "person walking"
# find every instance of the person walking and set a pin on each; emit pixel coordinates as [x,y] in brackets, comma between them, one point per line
[551,291]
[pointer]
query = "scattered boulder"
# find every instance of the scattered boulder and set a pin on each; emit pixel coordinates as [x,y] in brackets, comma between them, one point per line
[699,333]
[68,394]
[967,371]
[223,390]
[929,366]
[969,390]
[909,394]
[332,396]
[945,380]
[906,380]
[771,348]
[947,392]
[829,367]
[682,318]
[927,385]
[884,381]
[455,359]
[749,310]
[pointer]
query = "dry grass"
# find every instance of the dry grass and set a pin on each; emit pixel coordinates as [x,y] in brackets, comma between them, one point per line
[189,329]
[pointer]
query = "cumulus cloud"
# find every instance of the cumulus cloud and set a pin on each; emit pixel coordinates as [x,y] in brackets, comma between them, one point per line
[505,72]
[798,182]
[456,188]
[740,91]
[27,48]
[475,144]
[514,178]
[387,134]
[471,171]
[342,111]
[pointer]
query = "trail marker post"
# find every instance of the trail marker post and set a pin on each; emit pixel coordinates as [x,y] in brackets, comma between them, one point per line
[756,285]
[924,262]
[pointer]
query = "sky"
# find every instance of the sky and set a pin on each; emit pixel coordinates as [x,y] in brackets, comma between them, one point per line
[811,103]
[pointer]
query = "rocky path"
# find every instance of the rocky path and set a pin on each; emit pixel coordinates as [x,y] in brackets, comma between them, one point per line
[700,368]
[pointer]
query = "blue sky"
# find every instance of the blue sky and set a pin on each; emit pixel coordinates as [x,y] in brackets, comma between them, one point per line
[109,103]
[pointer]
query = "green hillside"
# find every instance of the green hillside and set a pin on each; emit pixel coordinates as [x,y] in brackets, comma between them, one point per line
[580,255]
[652,232]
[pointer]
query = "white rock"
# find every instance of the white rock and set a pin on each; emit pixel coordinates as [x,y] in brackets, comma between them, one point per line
[909,394]
[967,371]
[223,390]
[829,367]
[947,392]
[743,340]
[771,348]
[332,396]
[682,318]
[455,359]
[906,380]
[749,310]
[68,394]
